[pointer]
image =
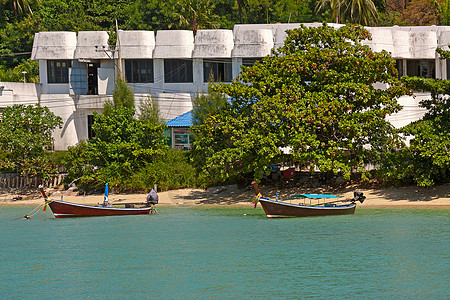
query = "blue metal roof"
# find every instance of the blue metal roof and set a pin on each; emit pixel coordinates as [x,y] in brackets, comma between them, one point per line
[184,120]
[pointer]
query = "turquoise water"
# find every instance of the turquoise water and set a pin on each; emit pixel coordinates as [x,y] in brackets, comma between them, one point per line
[206,253]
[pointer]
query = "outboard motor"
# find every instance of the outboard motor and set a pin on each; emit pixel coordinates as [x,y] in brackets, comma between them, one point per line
[152,198]
[358,196]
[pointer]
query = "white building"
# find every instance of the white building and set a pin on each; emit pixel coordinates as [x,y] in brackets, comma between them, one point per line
[77,72]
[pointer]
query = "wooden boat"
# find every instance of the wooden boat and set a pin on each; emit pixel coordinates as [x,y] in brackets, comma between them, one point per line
[62,209]
[278,209]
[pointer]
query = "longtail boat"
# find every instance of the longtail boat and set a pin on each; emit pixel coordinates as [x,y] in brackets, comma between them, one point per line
[63,209]
[329,205]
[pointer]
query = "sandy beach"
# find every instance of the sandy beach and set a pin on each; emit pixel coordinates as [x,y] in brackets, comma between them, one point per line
[436,197]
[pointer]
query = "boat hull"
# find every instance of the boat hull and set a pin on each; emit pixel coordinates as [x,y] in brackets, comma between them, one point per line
[63,209]
[276,209]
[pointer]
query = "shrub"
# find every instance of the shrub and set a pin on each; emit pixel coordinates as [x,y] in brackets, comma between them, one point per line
[169,171]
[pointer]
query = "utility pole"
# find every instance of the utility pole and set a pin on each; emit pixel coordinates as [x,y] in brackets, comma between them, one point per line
[119,64]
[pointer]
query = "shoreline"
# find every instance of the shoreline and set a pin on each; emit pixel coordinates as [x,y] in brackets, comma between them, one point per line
[393,197]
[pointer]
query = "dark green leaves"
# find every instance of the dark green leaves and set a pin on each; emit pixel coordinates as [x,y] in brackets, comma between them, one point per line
[314,97]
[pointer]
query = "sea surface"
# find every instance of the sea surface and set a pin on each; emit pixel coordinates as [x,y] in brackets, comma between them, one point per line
[226,253]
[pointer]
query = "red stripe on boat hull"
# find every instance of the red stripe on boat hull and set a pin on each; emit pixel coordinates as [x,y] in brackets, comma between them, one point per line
[63,209]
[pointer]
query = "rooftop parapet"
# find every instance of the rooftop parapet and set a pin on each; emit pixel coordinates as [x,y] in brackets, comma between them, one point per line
[174,44]
[252,43]
[54,45]
[93,45]
[423,44]
[381,40]
[400,39]
[444,40]
[135,44]
[213,43]
[419,42]
[281,35]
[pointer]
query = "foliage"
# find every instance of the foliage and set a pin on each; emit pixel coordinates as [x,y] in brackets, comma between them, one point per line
[363,12]
[15,75]
[426,161]
[77,162]
[444,10]
[123,97]
[421,13]
[204,106]
[392,13]
[170,170]
[287,11]
[208,104]
[121,139]
[443,54]
[19,6]
[66,15]
[196,14]
[314,96]
[150,15]
[148,111]
[25,135]
[16,39]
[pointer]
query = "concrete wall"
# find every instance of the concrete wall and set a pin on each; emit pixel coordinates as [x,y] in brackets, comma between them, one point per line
[12,93]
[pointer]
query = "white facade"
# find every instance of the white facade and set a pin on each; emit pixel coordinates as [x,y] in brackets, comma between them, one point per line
[77,72]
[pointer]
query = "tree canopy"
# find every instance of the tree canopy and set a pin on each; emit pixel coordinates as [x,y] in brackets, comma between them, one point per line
[314,98]
[25,135]
[426,161]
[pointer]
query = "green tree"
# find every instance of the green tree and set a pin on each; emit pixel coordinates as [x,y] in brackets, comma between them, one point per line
[15,75]
[64,15]
[392,13]
[314,96]
[19,6]
[421,13]
[148,111]
[196,14]
[444,9]
[362,12]
[426,160]
[208,104]
[26,135]
[150,15]
[205,106]
[123,97]
[16,41]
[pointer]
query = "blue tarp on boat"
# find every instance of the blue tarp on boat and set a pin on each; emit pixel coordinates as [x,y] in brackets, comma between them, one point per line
[313,196]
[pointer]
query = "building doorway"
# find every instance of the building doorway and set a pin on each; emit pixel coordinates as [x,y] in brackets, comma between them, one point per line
[92,74]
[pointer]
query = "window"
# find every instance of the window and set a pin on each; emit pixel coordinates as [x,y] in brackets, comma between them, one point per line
[58,71]
[421,68]
[448,68]
[248,62]
[218,70]
[178,71]
[139,70]
[399,66]
[90,119]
